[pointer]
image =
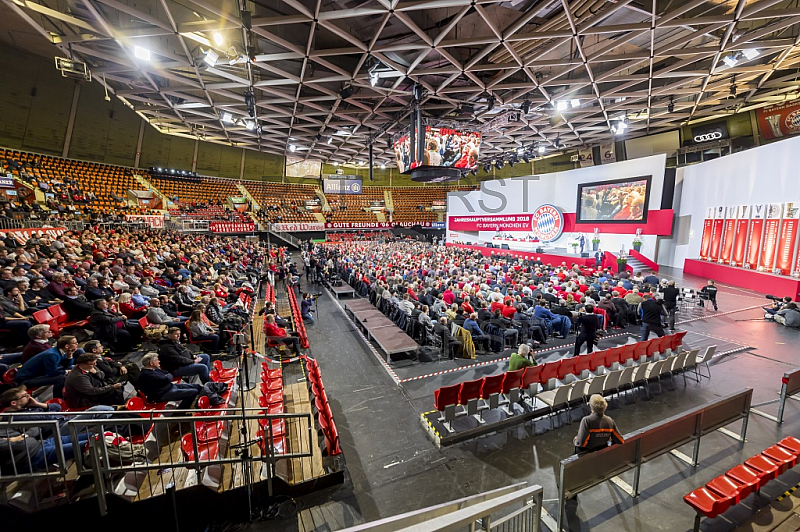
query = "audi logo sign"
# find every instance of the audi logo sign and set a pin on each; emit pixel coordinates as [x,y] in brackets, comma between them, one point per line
[710,133]
[708,137]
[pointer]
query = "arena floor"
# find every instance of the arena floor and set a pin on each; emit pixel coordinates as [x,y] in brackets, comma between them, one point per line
[394,467]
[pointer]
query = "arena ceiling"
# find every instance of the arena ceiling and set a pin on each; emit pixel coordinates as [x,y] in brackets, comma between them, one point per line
[328,76]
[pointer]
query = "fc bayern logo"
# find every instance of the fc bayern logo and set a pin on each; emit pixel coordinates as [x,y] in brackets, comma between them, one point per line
[547,223]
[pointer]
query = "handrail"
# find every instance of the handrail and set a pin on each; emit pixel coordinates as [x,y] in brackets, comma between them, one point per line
[462,513]
[644,260]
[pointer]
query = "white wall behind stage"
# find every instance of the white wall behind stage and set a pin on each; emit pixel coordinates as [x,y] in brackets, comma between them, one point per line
[767,174]
[508,196]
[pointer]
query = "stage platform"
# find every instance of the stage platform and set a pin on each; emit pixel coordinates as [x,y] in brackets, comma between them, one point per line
[547,258]
[380,329]
[343,290]
[766,283]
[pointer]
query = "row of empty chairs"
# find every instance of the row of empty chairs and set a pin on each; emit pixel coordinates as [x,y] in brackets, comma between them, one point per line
[321,409]
[735,485]
[638,362]
[297,317]
[211,435]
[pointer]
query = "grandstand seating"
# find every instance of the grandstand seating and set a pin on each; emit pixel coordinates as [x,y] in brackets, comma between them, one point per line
[287,200]
[204,190]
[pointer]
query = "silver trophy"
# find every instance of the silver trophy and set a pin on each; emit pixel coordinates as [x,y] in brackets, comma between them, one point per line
[774,122]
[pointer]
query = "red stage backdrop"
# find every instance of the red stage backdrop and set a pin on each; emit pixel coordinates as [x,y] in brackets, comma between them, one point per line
[770,243]
[754,242]
[716,236]
[727,240]
[797,265]
[706,241]
[739,244]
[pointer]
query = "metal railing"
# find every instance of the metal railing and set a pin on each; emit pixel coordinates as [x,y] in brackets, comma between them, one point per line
[179,447]
[491,511]
[188,225]
[285,236]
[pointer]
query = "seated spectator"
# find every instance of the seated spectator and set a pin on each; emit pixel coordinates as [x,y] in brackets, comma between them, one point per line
[202,332]
[40,341]
[479,338]
[789,315]
[183,300]
[12,302]
[129,308]
[76,305]
[776,306]
[113,371]
[504,324]
[450,344]
[138,298]
[157,316]
[85,385]
[56,286]
[110,327]
[50,366]
[278,334]
[97,288]
[521,359]
[158,387]
[178,360]
[560,324]
[149,289]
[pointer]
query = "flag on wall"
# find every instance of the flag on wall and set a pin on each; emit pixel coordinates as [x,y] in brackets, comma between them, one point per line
[770,239]
[757,214]
[705,241]
[728,231]
[607,154]
[787,238]
[742,220]
[716,233]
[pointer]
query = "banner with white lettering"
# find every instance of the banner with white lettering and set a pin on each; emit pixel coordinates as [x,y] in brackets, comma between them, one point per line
[231,227]
[607,154]
[156,221]
[298,227]
[23,235]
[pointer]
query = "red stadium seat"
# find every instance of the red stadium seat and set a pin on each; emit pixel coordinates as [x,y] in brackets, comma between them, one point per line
[470,390]
[530,379]
[781,456]
[566,368]
[598,360]
[583,363]
[225,373]
[747,476]
[205,451]
[549,371]
[708,503]
[512,380]
[728,487]
[765,467]
[640,350]
[791,443]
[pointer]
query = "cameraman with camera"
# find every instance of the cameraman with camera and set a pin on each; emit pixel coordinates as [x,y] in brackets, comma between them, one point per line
[305,308]
[789,315]
[777,305]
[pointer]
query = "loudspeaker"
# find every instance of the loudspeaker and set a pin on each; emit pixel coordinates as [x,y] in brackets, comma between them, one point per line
[504,246]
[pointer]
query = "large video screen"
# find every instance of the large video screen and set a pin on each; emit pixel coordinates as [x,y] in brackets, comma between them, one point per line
[618,201]
[449,148]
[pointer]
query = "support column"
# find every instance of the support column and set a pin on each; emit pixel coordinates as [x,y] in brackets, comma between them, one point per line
[194,156]
[71,123]
[241,170]
[139,144]
[754,125]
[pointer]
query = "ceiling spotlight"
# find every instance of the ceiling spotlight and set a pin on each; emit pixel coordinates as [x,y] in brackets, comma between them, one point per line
[561,106]
[499,164]
[330,139]
[218,38]
[541,148]
[525,107]
[346,92]
[335,163]
[575,102]
[730,60]
[227,117]
[160,169]
[750,53]
[383,166]
[211,58]
[249,125]
[525,157]
[511,161]
[557,143]
[141,53]
[292,147]
[361,163]
[172,171]
[487,167]
[474,171]
[490,103]
[671,105]
[620,127]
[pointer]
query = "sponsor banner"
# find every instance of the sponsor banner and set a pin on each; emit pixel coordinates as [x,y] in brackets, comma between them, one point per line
[231,227]
[156,221]
[298,227]
[787,238]
[438,225]
[607,154]
[23,235]
[7,181]
[705,241]
[490,222]
[358,225]
[710,132]
[779,120]
[421,224]
[728,230]
[740,240]
[757,215]
[769,241]
[345,185]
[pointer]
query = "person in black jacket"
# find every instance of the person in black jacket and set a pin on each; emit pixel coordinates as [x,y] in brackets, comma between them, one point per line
[587,324]
[95,290]
[671,302]
[158,387]
[106,328]
[450,345]
[183,300]
[650,312]
[708,292]
[177,359]
[75,305]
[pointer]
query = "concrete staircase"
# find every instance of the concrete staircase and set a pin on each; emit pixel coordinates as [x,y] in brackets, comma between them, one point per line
[165,201]
[637,265]
[326,207]
[249,197]
[320,218]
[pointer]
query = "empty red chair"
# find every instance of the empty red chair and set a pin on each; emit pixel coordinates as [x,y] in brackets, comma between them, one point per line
[791,443]
[583,363]
[679,339]
[278,426]
[640,350]
[627,353]
[654,347]
[492,385]
[273,398]
[613,356]
[208,430]
[205,451]
[445,396]
[531,378]
[708,503]
[225,373]
[745,475]
[765,467]
[470,390]
[781,456]
[42,316]
[566,367]
[270,387]
[598,360]
[512,380]
[728,487]
[549,371]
